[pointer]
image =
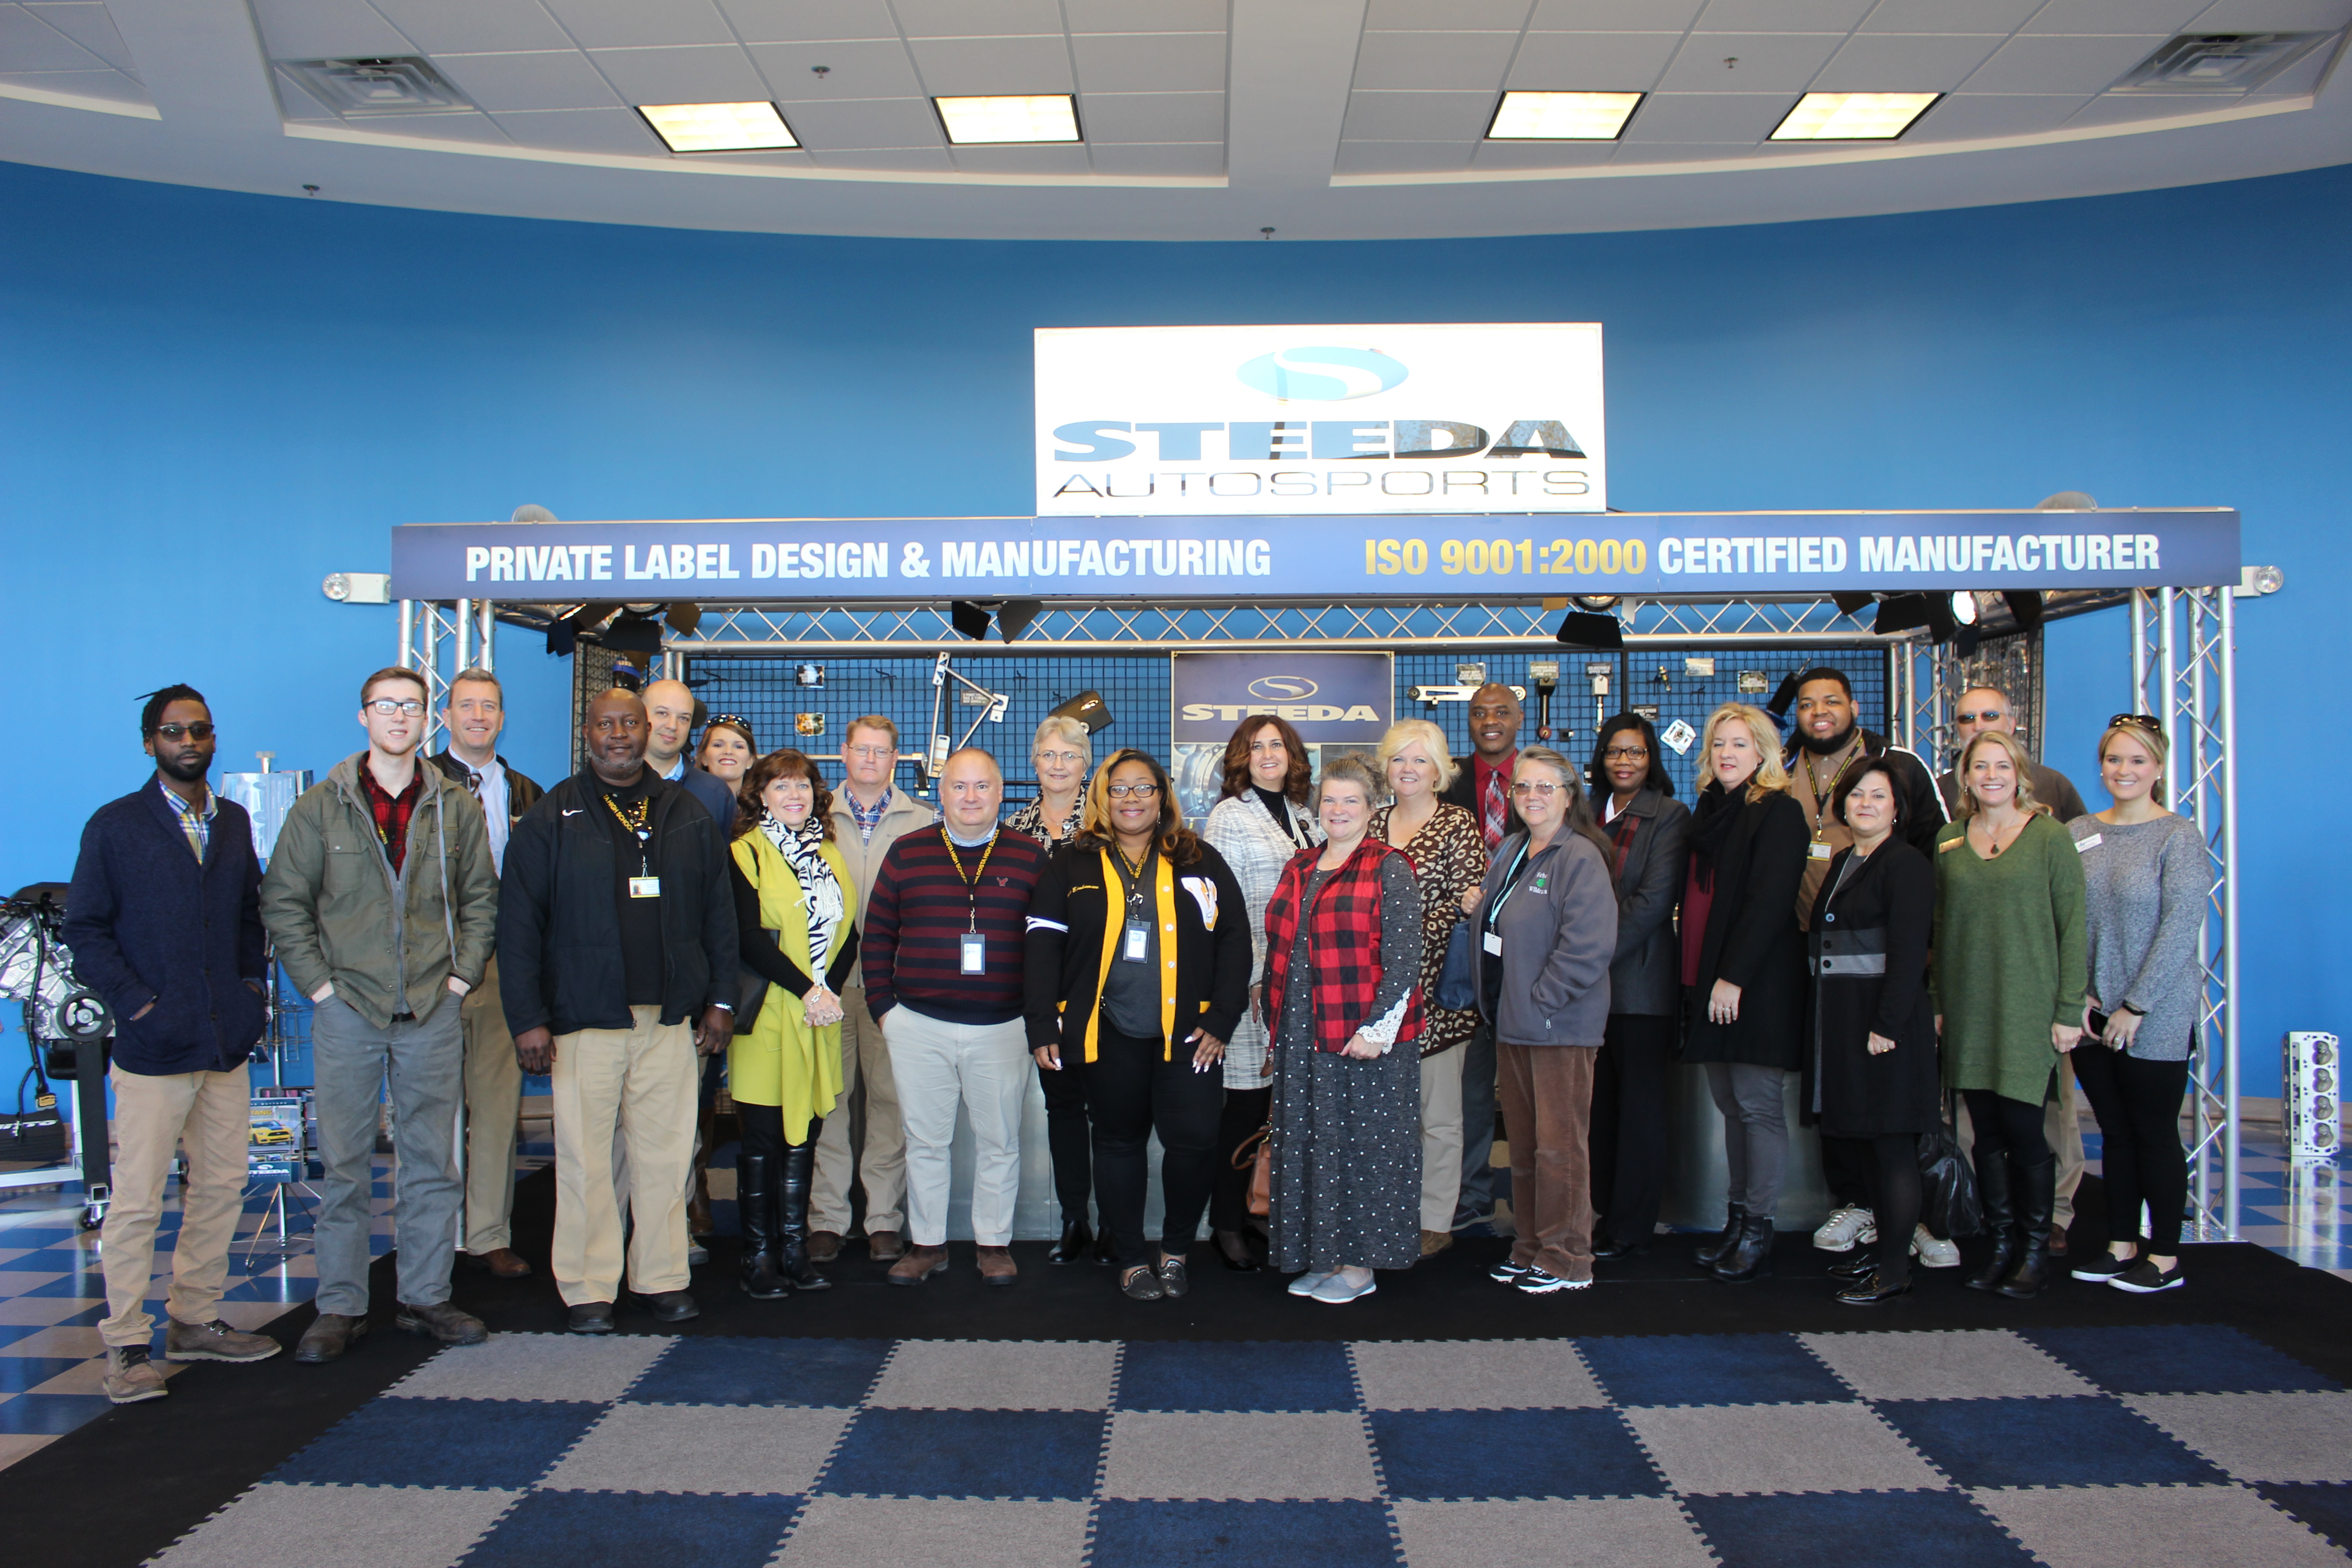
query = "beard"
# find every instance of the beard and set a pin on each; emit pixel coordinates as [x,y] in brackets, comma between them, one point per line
[187,767]
[1828,745]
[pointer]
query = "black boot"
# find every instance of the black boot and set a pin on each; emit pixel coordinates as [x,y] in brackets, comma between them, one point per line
[1106,1247]
[755,1210]
[791,1219]
[2000,1222]
[2037,1196]
[1751,1257]
[1077,1237]
[1705,1256]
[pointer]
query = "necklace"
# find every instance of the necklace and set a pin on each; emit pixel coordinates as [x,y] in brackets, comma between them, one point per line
[1993,837]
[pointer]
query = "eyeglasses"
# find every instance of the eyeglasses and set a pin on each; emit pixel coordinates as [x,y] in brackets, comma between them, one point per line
[1539,790]
[872,753]
[385,707]
[1067,759]
[197,732]
[1626,754]
[1990,716]
[1139,791]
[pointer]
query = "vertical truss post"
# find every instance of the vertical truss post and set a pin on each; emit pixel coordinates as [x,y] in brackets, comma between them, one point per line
[425,625]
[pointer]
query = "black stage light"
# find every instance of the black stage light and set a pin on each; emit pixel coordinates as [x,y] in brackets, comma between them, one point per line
[2025,606]
[1782,695]
[566,632]
[1089,709]
[1900,613]
[1012,617]
[969,618]
[632,633]
[1584,629]
[1850,603]
[684,616]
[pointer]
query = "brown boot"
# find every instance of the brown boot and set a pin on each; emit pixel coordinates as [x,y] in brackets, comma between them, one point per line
[504,1263]
[823,1246]
[885,1246]
[996,1266]
[919,1265]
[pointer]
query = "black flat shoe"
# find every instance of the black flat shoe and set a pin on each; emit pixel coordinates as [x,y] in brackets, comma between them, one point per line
[1233,1251]
[1077,1239]
[1859,1264]
[1174,1279]
[1611,1250]
[1867,1291]
[1141,1284]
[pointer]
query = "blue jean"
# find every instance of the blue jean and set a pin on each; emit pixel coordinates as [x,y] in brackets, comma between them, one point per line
[426,1061]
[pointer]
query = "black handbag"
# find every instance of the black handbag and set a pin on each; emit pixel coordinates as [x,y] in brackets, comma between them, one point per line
[1948,1187]
[36,1136]
[1457,991]
[751,989]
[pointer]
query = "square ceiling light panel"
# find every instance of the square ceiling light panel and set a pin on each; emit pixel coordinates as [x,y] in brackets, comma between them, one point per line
[1852,116]
[719,127]
[1561,116]
[1001,121]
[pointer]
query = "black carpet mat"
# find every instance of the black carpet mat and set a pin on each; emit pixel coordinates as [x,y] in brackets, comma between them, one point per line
[123,1487]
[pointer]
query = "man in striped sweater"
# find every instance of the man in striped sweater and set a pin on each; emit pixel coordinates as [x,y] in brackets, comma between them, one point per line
[942,949]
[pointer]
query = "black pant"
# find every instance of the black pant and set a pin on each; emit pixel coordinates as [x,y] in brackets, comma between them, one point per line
[1066,1138]
[764,1132]
[2002,1125]
[1130,1094]
[2138,1106]
[1627,1141]
[1246,1111]
[1848,1169]
[1894,1196]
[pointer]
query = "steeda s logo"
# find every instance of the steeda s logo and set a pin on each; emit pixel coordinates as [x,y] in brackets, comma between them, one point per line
[1321,374]
[1283,689]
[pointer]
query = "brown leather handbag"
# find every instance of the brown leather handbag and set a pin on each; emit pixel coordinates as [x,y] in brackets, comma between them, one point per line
[1257,1154]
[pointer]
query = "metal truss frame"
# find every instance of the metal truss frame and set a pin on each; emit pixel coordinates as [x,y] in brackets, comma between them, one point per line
[427,628]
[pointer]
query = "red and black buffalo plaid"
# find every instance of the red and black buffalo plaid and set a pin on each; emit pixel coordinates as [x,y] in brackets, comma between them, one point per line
[1343,937]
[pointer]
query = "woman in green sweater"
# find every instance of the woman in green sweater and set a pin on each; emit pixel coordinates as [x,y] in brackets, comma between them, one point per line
[2007,983]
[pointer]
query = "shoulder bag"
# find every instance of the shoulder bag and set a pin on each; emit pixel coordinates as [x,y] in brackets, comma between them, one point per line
[1947,1185]
[36,1136]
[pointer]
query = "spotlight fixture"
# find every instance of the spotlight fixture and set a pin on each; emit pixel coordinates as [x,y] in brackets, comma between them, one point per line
[719,127]
[1008,121]
[1964,607]
[358,587]
[1582,628]
[1852,116]
[1851,603]
[2024,606]
[568,630]
[683,616]
[1782,696]
[1561,116]
[969,618]
[1089,709]
[1900,613]
[632,633]
[1012,617]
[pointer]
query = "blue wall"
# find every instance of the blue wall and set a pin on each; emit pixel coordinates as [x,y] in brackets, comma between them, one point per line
[211,400]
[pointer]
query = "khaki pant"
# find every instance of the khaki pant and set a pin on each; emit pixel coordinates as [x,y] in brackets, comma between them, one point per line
[865,1057]
[493,1102]
[213,1111]
[1441,1137]
[985,1068]
[1547,1095]
[641,1079]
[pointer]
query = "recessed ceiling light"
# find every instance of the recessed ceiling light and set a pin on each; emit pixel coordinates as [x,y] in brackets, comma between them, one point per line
[1561,116]
[1852,116]
[984,121]
[2217,62]
[719,127]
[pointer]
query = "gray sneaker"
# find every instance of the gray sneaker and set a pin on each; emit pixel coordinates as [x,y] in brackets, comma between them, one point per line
[131,1377]
[1306,1284]
[215,1341]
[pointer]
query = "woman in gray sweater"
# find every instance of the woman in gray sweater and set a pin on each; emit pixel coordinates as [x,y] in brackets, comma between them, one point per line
[1546,921]
[2147,880]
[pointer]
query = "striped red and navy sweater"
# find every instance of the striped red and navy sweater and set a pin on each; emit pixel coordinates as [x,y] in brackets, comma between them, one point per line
[912,944]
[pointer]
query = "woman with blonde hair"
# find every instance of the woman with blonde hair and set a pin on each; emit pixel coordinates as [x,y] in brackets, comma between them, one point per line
[2007,983]
[1743,970]
[1449,855]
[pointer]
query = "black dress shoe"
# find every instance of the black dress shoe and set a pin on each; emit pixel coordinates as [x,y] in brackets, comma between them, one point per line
[1610,1249]
[1106,1248]
[670,1306]
[1077,1239]
[1233,1251]
[1859,1264]
[591,1318]
[1867,1291]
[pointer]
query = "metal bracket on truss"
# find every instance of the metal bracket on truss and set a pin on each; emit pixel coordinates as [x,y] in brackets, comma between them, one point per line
[935,760]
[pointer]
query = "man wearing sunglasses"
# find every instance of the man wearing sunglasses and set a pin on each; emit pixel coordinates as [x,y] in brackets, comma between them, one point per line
[164,923]
[1986,708]
[383,898]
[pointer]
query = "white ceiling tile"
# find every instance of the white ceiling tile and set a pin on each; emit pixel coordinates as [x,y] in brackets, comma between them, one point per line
[1591,62]
[1943,16]
[103,82]
[809,21]
[619,23]
[2274,16]
[325,29]
[867,67]
[1680,151]
[1402,157]
[1769,62]
[2029,63]
[2123,107]
[1432,16]
[1134,117]
[1542,154]
[461,126]
[2298,78]
[1418,116]
[1159,158]
[1614,16]
[1743,117]
[28,44]
[864,122]
[622,131]
[1151,16]
[695,73]
[1063,160]
[295,101]
[1977,116]
[976,18]
[1784,15]
[87,24]
[1903,62]
[919,160]
[540,79]
[2113,16]
[475,27]
[961,67]
[1433,61]
[1149,62]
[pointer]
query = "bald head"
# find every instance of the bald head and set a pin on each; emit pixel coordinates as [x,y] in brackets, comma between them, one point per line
[669,720]
[614,735]
[1495,716]
[972,791]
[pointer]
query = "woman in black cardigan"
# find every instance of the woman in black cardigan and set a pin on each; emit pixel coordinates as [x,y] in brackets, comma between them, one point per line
[1744,971]
[1871,1069]
[1138,968]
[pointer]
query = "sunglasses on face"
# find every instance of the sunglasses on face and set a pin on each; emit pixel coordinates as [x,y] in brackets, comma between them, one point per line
[1990,716]
[2141,722]
[175,732]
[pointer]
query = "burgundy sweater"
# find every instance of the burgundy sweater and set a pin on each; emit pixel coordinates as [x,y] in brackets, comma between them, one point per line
[912,944]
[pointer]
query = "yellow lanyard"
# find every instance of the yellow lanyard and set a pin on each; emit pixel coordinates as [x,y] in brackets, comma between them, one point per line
[1813,783]
[638,826]
[971,883]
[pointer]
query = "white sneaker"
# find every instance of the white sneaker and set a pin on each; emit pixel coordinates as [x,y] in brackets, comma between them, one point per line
[1846,1229]
[1934,1251]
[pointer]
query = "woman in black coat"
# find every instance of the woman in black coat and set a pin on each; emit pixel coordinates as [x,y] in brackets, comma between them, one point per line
[1871,1070]
[1743,969]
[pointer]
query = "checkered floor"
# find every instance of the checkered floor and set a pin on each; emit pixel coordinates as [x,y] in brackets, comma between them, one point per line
[2084,1446]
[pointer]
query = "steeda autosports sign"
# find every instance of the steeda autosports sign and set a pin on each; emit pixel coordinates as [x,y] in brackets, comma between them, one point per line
[1306,420]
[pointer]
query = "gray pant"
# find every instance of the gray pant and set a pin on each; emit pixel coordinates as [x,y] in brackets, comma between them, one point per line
[426,1062]
[1478,1127]
[1755,1131]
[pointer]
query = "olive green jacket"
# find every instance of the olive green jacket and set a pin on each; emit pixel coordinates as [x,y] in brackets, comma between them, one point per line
[388,943]
[2011,957]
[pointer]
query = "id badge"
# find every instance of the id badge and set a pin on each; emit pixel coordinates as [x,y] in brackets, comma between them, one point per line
[975,952]
[1494,942]
[1817,850]
[644,887]
[1132,948]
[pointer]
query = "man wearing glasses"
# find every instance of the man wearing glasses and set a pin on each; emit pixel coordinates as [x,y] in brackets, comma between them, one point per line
[383,898]
[1986,708]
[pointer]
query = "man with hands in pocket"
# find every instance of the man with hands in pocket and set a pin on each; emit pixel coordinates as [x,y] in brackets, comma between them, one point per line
[383,899]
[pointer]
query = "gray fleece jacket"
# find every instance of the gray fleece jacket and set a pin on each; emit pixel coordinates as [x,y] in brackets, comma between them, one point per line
[1559,931]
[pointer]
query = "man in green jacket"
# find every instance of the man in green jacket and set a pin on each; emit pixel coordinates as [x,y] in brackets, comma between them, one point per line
[383,899]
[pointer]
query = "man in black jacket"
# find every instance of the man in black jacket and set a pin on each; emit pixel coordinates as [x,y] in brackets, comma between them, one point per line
[164,921]
[475,718]
[1481,787]
[616,937]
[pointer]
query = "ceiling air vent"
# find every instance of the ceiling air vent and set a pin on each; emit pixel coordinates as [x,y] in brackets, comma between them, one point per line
[2218,62]
[401,85]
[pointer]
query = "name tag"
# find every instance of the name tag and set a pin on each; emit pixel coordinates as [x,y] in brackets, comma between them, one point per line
[1132,947]
[1948,845]
[1494,942]
[2090,843]
[975,952]
[1817,850]
[644,887]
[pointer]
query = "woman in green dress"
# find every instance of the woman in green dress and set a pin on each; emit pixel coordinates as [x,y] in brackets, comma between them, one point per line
[2008,980]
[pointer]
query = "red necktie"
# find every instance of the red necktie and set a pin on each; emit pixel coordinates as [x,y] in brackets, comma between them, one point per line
[1492,827]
